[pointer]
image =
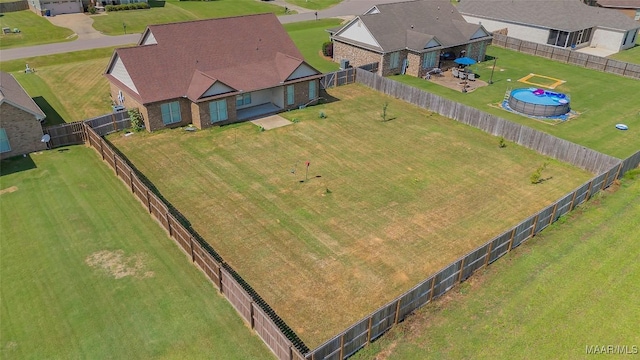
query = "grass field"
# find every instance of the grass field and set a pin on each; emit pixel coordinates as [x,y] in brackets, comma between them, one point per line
[631,55]
[34,30]
[175,11]
[574,285]
[309,37]
[602,100]
[86,272]
[386,205]
[314,4]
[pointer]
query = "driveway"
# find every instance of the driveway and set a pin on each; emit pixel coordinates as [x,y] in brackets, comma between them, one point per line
[81,24]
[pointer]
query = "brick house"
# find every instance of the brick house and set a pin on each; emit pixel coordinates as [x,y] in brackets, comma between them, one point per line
[20,120]
[409,37]
[567,24]
[212,72]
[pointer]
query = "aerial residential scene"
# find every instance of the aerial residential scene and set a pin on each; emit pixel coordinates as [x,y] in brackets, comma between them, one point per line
[319,179]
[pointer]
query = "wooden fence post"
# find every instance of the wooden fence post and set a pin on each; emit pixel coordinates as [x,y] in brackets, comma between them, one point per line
[535,223]
[397,311]
[604,182]
[148,202]
[553,214]
[588,196]
[131,180]
[513,235]
[486,261]
[369,333]
[433,284]
[573,199]
[342,346]
[115,163]
[169,224]
[193,256]
[461,270]
[618,172]
[115,124]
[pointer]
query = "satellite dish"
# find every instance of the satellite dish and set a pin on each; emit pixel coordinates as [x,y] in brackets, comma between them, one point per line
[45,138]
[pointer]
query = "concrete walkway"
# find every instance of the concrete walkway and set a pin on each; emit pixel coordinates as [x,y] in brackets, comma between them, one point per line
[92,39]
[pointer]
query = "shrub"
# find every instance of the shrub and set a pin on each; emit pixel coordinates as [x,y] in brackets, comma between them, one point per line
[322,115]
[92,9]
[536,177]
[502,143]
[137,123]
[327,49]
[110,8]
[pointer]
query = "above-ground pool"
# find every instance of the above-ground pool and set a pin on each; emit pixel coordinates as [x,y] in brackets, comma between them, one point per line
[538,102]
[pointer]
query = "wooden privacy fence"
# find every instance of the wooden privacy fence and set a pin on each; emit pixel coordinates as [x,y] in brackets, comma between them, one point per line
[74,134]
[6,7]
[568,56]
[539,141]
[377,323]
[345,77]
[284,343]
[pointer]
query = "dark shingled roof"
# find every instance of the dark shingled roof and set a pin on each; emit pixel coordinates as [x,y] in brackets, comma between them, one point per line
[12,93]
[567,15]
[412,24]
[246,53]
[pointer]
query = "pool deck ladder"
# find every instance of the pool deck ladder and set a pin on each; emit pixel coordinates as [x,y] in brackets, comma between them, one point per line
[507,94]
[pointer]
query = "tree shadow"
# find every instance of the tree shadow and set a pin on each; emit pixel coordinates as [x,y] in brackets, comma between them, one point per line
[53,118]
[16,164]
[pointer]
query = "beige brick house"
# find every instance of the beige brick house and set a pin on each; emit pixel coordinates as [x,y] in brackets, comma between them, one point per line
[411,37]
[212,72]
[20,119]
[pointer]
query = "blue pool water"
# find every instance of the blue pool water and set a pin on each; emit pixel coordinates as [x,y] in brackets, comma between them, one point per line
[528,96]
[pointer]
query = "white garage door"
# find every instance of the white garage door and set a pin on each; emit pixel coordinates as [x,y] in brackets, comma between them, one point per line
[64,7]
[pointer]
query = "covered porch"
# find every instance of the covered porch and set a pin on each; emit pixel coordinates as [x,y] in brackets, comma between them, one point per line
[257,111]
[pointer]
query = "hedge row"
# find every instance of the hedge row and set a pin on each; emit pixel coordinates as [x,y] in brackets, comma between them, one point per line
[121,7]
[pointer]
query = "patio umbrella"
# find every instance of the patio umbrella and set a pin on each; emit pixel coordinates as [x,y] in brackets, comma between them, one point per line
[464,61]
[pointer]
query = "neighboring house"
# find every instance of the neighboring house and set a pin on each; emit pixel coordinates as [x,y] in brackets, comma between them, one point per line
[410,37]
[212,72]
[20,119]
[561,23]
[55,7]
[630,8]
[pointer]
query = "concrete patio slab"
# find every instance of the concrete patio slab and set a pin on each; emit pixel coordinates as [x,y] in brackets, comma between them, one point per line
[272,122]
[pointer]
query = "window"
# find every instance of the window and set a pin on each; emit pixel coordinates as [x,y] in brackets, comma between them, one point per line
[637,17]
[429,60]
[4,141]
[244,99]
[394,60]
[170,113]
[312,90]
[218,111]
[290,95]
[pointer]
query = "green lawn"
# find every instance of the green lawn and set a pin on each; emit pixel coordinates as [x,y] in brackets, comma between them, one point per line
[631,55]
[86,273]
[309,37]
[34,30]
[175,11]
[574,285]
[314,4]
[68,87]
[387,203]
[602,100]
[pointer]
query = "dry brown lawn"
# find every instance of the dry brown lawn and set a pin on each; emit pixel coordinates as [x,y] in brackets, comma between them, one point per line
[386,205]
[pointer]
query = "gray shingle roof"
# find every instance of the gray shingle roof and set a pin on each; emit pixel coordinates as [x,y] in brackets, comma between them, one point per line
[567,15]
[412,24]
[12,93]
[625,4]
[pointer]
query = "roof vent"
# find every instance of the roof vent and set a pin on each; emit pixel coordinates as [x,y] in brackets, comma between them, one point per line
[412,26]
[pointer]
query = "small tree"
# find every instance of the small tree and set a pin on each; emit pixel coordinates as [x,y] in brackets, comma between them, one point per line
[327,49]
[384,111]
[536,177]
[137,123]
[502,143]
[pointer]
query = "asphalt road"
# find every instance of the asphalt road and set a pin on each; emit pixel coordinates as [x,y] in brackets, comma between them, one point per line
[345,8]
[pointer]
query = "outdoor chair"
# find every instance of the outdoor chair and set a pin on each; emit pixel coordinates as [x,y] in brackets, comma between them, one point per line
[471,77]
[454,72]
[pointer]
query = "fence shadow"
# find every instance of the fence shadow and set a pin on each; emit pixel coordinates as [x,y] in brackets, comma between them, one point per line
[16,164]
[53,118]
